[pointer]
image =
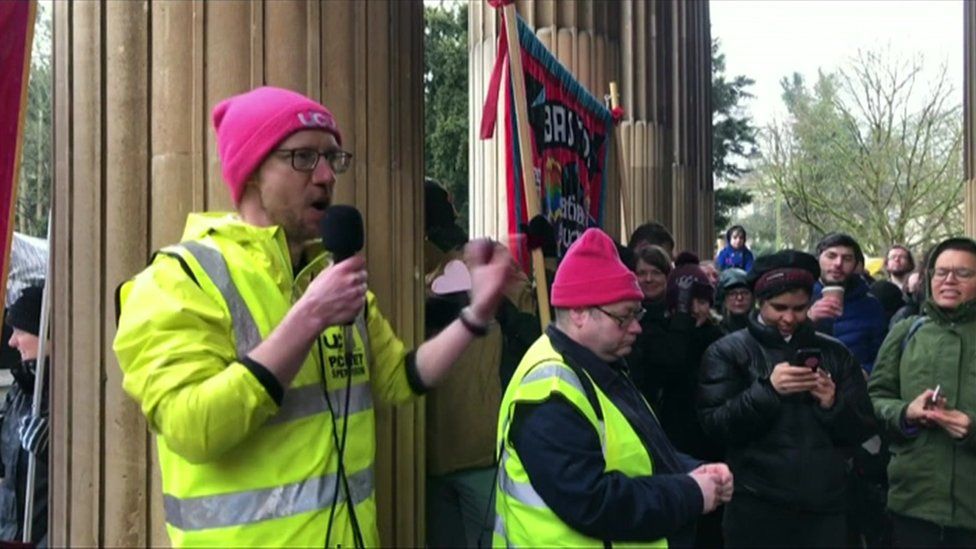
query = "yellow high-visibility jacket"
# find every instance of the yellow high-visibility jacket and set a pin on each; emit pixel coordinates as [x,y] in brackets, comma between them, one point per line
[522,517]
[237,468]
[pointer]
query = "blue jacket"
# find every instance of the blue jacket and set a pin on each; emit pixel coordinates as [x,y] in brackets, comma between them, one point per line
[730,257]
[862,327]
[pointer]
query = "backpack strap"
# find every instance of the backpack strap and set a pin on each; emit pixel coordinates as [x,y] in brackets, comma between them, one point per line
[916,326]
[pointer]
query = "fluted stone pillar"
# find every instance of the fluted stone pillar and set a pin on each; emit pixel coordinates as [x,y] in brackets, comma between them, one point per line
[666,66]
[134,86]
[969,109]
[692,222]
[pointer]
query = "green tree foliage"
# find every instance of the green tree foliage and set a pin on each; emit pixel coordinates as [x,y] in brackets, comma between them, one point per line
[37,161]
[872,150]
[733,138]
[446,99]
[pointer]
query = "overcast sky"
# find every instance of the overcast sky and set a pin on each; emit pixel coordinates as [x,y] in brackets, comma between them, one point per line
[767,40]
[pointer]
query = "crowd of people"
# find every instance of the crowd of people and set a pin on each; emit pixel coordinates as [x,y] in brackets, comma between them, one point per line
[780,400]
[796,374]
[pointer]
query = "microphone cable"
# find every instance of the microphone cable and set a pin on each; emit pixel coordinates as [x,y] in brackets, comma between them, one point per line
[340,445]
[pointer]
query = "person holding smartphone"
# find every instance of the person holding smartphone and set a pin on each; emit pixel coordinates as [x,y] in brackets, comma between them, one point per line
[924,391]
[789,403]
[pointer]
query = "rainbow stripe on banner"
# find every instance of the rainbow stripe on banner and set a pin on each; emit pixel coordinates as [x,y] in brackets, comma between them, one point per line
[16,33]
[570,132]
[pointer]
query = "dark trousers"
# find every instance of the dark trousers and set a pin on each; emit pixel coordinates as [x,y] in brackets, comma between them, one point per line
[460,508]
[913,532]
[753,522]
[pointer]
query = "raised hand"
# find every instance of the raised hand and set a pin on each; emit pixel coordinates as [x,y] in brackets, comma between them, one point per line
[337,294]
[491,273]
[824,308]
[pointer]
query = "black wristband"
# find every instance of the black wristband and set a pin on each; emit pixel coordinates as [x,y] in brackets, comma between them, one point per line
[475,329]
[265,378]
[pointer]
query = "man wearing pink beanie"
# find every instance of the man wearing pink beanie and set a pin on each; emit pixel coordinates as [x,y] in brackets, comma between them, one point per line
[583,460]
[255,357]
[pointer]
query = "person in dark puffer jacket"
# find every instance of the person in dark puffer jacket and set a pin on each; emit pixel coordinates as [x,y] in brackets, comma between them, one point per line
[788,429]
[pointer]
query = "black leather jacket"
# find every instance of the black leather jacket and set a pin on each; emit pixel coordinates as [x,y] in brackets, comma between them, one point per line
[783,449]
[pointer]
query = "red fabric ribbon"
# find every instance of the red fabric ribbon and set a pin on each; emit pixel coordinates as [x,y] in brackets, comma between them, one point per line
[618,114]
[489,113]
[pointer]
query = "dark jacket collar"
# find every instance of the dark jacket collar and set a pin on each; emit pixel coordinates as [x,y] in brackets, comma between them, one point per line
[769,336]
[578,355]
[732,322]
[656,309]
[960,315]
[613,380]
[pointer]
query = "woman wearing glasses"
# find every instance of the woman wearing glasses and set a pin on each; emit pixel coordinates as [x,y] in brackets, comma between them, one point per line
[924,390]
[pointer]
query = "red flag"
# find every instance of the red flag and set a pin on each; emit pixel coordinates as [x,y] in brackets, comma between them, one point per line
[16,33]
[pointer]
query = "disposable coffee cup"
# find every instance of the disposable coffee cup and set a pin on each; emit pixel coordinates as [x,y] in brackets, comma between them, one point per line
[835,294]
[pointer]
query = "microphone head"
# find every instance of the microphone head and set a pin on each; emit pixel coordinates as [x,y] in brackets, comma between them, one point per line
[342,231]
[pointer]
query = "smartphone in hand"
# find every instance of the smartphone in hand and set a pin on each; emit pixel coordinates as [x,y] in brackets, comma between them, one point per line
[809,357]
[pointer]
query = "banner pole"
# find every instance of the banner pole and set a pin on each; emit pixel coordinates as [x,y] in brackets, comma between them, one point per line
[39,383]
[622,171]
[525,156]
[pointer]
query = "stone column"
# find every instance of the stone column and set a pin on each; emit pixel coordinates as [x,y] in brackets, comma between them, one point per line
[692,196]
[134,86]
[969,109]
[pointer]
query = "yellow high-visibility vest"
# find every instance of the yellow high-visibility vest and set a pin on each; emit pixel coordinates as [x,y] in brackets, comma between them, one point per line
[522,517]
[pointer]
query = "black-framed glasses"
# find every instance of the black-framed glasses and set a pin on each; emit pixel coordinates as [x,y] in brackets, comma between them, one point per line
[624,321]
[961,273]
[739,294]
[305,159]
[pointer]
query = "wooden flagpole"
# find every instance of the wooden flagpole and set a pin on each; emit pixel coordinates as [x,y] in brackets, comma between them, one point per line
[622,170]
[525,156]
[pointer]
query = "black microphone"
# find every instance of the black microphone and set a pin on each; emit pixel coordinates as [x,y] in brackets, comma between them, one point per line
[342,231]
[342,234]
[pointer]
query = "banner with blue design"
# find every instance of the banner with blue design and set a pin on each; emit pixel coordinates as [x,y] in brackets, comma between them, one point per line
[570,132]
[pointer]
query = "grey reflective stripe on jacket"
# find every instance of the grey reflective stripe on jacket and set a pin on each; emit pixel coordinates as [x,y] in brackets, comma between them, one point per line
[246,333]
[298,402]
[500,530]
[524,492]
[565,374]
[307,400]
[246,507]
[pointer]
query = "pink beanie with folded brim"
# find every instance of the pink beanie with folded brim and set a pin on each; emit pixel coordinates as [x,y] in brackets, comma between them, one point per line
[252,124]
[591,274]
